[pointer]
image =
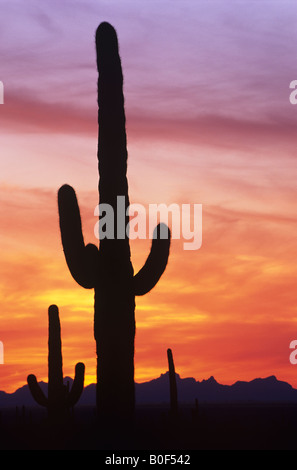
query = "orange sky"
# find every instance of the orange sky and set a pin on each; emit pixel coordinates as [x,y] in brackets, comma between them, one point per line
[208,122]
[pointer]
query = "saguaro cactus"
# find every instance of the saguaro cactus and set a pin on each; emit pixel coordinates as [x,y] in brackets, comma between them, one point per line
[109,270]
[59,399]
[172,384]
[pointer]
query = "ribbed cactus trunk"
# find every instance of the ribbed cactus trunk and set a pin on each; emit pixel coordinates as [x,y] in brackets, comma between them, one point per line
[114,325]
[109,270]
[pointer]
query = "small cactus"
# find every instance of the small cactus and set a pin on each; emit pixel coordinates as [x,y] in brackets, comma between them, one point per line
[60,399]
[172,384]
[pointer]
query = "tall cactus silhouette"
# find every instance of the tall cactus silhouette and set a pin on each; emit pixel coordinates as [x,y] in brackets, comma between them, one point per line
[172,384]
[109,269]
[59,399]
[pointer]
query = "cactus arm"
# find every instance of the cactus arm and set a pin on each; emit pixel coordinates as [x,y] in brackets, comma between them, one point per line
[156,262]
[81,259]
[36,391]
[78,385]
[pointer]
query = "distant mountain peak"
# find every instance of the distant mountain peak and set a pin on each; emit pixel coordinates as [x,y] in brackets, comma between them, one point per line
[210,380]
[272,378]
[166,375]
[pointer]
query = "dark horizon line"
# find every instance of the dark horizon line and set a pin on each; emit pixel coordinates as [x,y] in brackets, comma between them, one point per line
[210,378]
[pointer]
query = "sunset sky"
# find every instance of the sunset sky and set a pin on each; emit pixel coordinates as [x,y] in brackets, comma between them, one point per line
[209,122]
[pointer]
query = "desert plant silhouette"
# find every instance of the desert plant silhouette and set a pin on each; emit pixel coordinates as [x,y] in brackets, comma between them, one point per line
[60,399]
[172,384]
[109,269]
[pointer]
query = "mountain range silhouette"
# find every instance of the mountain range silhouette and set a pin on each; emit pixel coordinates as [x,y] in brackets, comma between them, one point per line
[156,391]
